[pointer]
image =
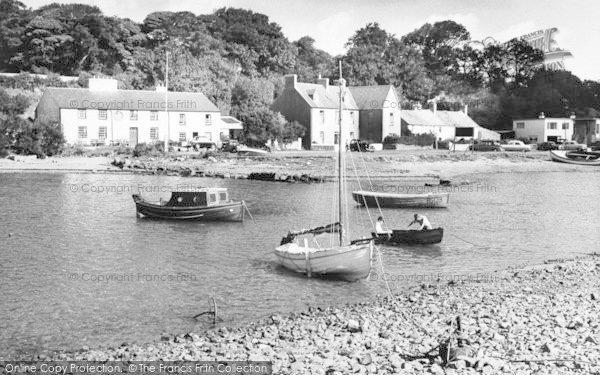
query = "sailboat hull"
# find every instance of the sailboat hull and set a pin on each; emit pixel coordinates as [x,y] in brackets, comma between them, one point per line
[350,263]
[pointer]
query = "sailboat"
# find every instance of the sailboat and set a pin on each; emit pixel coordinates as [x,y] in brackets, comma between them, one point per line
[346,260]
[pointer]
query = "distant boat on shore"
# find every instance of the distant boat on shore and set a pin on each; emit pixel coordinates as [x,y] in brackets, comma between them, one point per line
[396,200]
[576,157]
[410,237]
[205,204]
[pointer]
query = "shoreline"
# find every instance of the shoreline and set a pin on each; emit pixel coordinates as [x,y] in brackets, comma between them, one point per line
[537,318]
[303,167]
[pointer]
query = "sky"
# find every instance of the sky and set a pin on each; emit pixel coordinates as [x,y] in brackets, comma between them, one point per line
[332,22]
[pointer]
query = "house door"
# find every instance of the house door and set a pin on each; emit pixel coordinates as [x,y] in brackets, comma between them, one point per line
[133,136]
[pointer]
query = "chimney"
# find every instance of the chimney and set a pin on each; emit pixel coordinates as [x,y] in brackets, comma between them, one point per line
[466,111]
[542,115]
[323,82]
[290,81]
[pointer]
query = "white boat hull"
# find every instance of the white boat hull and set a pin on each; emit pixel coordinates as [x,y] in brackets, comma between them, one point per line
[377,199]
[561,156]
[350,263]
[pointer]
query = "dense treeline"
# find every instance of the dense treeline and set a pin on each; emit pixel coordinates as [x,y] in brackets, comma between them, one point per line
[238,57]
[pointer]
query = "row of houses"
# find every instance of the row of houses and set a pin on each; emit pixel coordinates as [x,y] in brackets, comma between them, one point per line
[103,114]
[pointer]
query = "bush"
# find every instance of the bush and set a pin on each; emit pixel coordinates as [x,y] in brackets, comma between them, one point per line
[3,152]
[143,149]
[392,139]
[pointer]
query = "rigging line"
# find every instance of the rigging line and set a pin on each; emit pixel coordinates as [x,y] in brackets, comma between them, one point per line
[371,186]
[360,188]
[387,285]
[462,239]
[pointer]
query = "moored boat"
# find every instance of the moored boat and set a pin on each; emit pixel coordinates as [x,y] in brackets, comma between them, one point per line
[576,157]
[205,204]
[410,237]
[340,259]
[395,200]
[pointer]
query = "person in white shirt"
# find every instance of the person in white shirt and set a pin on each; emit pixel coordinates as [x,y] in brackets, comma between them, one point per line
[379,227]
[422,221]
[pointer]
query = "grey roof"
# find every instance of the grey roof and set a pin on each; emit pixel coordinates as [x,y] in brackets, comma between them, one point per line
[316,96]
[55,98]
[421,117]
[457,118]
[372,97]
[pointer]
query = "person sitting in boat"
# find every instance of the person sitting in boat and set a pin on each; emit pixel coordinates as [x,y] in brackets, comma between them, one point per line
[379,227]
[422,221]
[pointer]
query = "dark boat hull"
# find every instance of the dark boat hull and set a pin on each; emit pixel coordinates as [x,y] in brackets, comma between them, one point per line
[411,237]
[226,212]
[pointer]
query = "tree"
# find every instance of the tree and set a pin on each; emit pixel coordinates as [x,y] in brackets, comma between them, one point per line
[14,16]
[310,61]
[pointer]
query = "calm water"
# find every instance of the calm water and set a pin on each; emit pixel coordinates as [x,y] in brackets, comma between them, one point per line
[80,269]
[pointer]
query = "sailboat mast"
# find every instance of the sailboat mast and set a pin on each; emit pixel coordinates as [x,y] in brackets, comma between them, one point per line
[340,185]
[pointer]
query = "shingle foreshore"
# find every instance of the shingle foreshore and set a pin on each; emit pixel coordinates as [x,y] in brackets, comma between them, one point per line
[543,319]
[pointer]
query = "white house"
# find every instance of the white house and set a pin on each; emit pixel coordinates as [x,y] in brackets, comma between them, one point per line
[543,129]
[424,121]
[316,106]
[103,114]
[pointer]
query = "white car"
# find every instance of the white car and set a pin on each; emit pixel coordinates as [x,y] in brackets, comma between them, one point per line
[516,146]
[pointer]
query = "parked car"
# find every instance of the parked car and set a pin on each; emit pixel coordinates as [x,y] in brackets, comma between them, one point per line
[199,142]
[572,145]
[485,146]
[230,145]
[547,146]
[358,145]
[595,146]
[516,146]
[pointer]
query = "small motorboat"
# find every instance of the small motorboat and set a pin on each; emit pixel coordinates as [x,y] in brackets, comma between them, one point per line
[206,204]
[410,237]
[395,200]
[576,157]
[249,151]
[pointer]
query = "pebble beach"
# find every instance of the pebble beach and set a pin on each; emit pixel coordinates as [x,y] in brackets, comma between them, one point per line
[539,319]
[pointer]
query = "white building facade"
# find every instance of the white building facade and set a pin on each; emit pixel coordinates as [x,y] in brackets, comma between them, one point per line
[544,129]
[103,115]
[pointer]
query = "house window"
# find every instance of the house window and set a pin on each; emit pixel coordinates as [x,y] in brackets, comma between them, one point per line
[207,120]
[182,137]
[351,135]
[82,132]
[597,128]
[322,115]
[391,119]
[154,133]
[102,132]
[153,115]
[133,115]
[81,114]
[223,196]
[565,126]
[353,120]
[182,119]
[322,137]
[552,125]
[520,125]
[336,138]
[102,114]
[212,198]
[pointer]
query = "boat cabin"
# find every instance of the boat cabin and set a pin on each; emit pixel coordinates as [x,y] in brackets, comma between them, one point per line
[202,197]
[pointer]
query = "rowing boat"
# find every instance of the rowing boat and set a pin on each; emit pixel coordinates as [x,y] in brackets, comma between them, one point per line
[395,200]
